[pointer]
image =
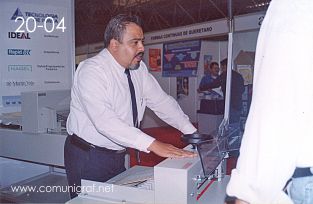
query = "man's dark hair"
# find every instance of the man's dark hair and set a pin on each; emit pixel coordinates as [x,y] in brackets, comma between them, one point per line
[224,62]
[212,64]
[117,25]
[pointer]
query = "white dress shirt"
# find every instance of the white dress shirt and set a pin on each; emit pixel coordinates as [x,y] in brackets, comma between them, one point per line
[278,135]
[101,109]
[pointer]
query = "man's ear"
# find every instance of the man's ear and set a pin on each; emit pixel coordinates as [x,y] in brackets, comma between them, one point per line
[114,44]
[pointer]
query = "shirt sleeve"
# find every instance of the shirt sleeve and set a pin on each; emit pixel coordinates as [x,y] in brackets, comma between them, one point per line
[214,84]
[95,98]
[165,106]
[202,82]
[265,163]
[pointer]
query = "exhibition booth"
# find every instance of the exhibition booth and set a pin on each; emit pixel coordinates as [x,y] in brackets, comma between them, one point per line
[36,76]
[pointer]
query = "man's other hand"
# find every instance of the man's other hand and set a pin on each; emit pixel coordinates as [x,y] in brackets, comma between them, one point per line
[167,150]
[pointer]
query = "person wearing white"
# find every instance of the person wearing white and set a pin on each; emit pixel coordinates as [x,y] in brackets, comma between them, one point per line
[278,136]
[101,110]
[104,116]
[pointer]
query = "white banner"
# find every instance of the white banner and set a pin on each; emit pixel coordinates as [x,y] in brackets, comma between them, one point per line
[241,23]
[37,48]
[187,32]
[248,22]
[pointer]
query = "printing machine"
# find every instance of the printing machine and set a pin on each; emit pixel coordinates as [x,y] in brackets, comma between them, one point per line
[199,180]
[43,113]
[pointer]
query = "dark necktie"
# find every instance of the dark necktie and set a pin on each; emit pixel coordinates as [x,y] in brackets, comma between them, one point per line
[134,106]
[133,97]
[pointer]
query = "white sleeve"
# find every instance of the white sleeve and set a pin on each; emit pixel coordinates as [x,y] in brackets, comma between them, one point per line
[278,128]
[165,106]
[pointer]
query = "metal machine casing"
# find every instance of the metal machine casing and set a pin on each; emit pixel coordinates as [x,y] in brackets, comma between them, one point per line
[39,109]
[175,181]
[177,177]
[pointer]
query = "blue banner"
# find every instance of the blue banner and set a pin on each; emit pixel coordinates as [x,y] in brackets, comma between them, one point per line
[181,58]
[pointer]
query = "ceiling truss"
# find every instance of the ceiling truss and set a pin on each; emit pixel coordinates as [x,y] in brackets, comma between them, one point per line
[91,16]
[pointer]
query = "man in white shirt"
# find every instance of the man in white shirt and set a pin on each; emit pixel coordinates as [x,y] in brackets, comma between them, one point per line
[278,134]
[104,118]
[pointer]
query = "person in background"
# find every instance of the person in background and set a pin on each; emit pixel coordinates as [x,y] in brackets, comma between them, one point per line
[211,100]
[237,89]
[210,73]
[109,95]
[278,137]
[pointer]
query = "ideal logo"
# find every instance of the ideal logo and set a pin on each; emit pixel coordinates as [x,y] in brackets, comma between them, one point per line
[18,35]
[18,52]
[16,14]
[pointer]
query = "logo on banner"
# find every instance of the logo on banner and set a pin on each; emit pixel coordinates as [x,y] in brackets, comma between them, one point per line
[193,54]
[18,52]
[16,14]
[19,68]
[18,35]
[180,56]
[39,17]
[169,56]
[15,83]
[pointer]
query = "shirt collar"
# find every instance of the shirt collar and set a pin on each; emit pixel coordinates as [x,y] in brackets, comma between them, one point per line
[120,69]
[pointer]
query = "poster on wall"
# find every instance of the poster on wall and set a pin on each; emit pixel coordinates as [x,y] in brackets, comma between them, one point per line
[182,87]
[206,62]
[180,59]
[246,73]
[37,48]
[154,59]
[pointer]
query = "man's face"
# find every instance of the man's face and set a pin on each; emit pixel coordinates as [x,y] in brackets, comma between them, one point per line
[215,70]
[130,51]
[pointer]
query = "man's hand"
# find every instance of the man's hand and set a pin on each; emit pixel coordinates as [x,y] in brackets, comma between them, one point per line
[167,150]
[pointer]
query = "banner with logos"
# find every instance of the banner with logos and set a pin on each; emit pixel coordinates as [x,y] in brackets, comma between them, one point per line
[181,58]
[37,48]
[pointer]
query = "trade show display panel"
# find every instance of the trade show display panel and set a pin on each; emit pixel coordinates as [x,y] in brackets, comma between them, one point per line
[37,58]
